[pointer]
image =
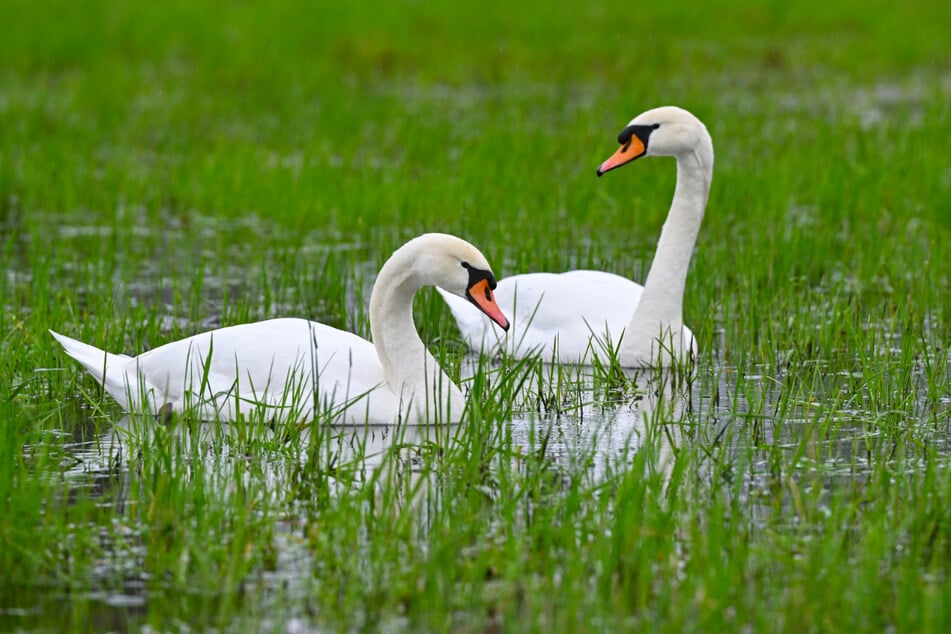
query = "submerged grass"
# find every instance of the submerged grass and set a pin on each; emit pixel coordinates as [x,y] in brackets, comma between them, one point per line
[165,169]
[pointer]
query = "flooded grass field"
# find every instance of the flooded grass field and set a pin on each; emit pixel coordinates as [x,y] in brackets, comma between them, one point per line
[776,465]
[168,170]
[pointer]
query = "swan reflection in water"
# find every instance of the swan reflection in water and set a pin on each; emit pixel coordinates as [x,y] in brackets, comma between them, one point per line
[609,434]
[597,438]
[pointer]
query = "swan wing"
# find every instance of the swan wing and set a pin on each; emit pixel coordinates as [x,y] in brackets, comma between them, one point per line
[289,367]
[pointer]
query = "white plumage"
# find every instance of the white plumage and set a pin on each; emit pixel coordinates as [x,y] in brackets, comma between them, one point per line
[292,369]
[572,317]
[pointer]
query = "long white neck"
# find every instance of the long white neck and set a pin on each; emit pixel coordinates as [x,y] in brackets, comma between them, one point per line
[408,366]
[660,309]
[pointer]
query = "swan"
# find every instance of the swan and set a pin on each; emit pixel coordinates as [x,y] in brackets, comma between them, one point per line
[572,317]
[293,369]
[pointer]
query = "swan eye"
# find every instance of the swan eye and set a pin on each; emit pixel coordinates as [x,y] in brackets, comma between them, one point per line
[625,137]
[477,275]
[643,133]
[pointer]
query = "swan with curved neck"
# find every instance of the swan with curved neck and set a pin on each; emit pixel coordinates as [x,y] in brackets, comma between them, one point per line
[294,369]
[574,316]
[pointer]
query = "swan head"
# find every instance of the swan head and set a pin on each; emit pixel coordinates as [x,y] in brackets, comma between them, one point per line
[664,131]
[456,266]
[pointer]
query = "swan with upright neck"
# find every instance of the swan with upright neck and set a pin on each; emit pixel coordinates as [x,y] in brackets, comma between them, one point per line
[576,316]
[295,369]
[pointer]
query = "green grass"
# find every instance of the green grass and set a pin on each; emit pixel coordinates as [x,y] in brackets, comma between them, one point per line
[166,168]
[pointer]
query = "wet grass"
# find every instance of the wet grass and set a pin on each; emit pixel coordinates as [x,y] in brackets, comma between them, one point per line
[169,168]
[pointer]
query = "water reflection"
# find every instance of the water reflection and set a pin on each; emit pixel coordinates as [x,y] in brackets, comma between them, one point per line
[602,435]
[770,436]
[594,431]
[756,425]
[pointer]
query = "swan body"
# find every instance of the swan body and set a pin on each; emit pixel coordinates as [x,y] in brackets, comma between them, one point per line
[576,316]
[294,369]
[594,326]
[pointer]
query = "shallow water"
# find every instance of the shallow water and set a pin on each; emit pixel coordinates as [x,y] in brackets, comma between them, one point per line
[745,420]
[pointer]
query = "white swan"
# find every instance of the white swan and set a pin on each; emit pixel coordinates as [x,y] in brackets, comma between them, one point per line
[288,369]
[570,317]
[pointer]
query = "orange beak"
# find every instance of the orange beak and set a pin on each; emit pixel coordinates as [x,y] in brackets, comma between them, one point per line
[625,154]
[481,295]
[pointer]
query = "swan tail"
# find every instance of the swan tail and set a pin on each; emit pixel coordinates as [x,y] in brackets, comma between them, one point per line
[473,325]
[111,370]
